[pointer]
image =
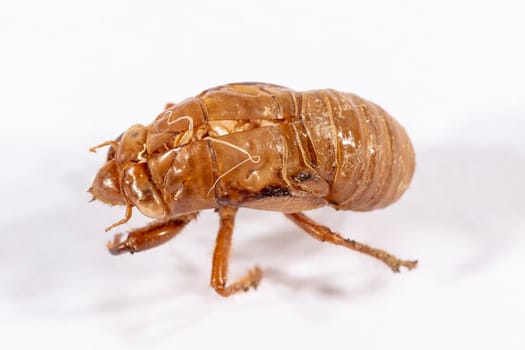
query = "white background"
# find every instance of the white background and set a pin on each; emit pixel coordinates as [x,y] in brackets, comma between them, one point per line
[75,74]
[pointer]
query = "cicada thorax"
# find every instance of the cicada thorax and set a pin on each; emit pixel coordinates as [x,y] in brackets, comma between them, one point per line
[268,147]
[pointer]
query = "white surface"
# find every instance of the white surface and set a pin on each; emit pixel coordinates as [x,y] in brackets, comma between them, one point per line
[452,73]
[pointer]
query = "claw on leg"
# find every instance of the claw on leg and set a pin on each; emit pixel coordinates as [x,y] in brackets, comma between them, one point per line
[116,246]
[149,236]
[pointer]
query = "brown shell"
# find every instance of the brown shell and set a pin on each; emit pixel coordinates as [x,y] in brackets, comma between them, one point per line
[268,147]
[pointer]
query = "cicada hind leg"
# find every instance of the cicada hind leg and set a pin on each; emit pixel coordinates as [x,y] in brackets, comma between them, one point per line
[324,234]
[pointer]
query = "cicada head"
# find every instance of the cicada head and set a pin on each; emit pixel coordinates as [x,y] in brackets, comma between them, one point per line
[106,186]
[125,179]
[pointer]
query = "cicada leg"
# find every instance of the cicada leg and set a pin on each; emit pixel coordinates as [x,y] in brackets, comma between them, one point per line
[324,234]
[149,236]
[221,258]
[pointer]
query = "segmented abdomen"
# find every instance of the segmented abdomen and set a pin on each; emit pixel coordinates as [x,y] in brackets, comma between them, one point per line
[360,150]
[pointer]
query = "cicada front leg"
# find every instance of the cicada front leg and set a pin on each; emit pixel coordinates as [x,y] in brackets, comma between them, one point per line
[149,236]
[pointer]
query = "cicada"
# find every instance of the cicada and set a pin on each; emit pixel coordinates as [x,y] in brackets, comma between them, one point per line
[259,146]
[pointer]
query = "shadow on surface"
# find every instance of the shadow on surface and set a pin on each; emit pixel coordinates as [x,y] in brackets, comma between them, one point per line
[466,204]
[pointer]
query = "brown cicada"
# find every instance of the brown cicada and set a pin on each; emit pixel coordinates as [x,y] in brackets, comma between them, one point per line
[257,146]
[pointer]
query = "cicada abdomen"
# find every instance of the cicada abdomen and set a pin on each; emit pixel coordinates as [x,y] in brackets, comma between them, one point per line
[333,145]
[363,153]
